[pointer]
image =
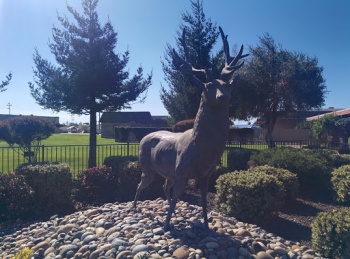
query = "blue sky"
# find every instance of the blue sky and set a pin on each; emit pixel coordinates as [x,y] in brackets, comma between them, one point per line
[318,28]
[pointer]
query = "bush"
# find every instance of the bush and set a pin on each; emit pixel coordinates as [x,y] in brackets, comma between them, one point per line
[341,183]
[331,233]
[311,166]
[288,179]
[97,184]
[248,196]
[27,132]
[52,186]
[237,159]
[128,173]
[16,197]
[219,170]
[338,160]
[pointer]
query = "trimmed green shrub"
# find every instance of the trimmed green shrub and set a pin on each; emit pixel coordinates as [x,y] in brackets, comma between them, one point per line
[52,186]
[97,185]
[237,159]
[219,170]
[249,196]
[16,197]
[330,234]
[128,173]
[311,166]
[341,183]
[338,160]
[288,179]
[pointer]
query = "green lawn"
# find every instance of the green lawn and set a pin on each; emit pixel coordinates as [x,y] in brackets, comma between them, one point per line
[70,139]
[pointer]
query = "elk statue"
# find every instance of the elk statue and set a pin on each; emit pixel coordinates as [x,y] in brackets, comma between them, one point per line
[194,153]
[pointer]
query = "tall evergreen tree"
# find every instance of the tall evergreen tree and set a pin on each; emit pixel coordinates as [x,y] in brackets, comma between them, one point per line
[89,76]
[181,97]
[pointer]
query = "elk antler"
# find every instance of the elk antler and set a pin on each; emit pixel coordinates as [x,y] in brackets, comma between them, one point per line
[184,65]
[230,62]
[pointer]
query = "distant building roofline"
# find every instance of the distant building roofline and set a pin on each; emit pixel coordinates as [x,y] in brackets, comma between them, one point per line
[337,113]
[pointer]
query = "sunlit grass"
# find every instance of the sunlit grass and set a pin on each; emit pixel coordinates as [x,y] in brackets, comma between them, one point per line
[69,139]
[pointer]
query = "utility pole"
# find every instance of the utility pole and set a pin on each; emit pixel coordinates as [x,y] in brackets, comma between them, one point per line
[9,107]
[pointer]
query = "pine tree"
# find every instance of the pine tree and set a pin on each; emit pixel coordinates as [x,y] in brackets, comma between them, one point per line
[182,97]
[89,76]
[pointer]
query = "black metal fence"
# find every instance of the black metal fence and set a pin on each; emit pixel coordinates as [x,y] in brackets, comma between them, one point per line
[76,156]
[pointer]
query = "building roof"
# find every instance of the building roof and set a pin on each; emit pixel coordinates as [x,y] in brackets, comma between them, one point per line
[338,113]
[301,115]
[126,117]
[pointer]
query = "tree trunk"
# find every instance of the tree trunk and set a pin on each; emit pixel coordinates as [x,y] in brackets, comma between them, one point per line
[270,126]
[92,140]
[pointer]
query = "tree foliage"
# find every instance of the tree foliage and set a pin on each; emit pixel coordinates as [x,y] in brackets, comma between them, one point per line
[343,128]
[181,97]
[5,83]
[88,76]
[275,82]
[322,127]
[332,126]
[27,132]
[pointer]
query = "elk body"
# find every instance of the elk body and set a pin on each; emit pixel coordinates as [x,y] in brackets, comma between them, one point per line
[194,153]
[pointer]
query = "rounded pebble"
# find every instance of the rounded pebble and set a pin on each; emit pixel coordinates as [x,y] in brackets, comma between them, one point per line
[115,230]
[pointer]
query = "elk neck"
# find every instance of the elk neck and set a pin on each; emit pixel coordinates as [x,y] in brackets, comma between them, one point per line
[211,126]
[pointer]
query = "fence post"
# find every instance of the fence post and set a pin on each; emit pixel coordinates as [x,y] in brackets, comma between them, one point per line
[128,148]
[42,153]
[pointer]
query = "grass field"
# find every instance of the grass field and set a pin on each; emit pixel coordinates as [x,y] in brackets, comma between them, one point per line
[70,139]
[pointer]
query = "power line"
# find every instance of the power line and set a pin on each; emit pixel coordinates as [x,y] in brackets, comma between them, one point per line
[9,107]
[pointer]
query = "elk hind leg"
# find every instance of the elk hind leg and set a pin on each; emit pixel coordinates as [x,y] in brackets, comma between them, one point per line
[177,191]
[146,179]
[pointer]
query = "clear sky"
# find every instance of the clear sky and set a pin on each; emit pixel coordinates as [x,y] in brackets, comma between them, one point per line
[318,28]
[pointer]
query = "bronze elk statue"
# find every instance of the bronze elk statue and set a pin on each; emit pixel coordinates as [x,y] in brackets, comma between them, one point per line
[194,153]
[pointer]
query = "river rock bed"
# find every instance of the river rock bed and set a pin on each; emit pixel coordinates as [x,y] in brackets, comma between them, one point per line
[114,230]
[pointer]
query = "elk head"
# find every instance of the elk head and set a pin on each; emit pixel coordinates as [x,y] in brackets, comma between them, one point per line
[216,91]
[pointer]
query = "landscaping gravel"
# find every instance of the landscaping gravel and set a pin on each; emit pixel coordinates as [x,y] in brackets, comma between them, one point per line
[114,230]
